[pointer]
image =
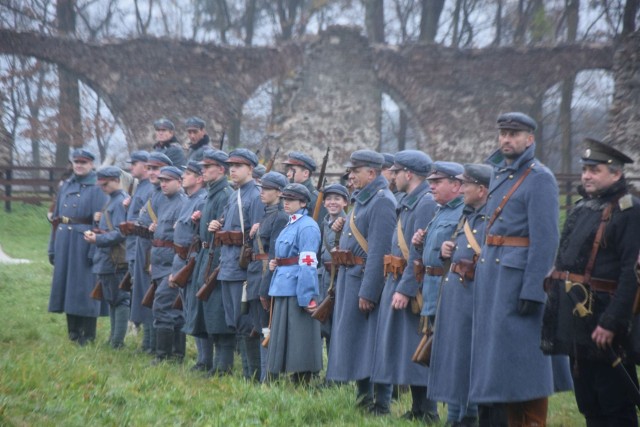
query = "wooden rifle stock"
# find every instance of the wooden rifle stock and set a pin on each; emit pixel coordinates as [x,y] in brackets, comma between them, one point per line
[126,284]
[319,203]
[182,277]
[272,160]
[150,295]
[209,285]
[96,293]
[177,304]
[325,309]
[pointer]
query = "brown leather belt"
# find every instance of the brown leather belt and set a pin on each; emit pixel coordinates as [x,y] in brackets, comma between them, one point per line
[356,261]
[205,245]
[72,220]
[495,240]
[463,271]
[260,257]
[327,265]
[434,271]
[286,261]
[159,243]
[598,285]
[182,251]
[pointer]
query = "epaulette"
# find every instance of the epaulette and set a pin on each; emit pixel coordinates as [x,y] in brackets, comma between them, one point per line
[381,192]
[625,202]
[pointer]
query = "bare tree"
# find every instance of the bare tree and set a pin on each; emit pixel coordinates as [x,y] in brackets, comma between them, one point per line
[572,8]
[429,21]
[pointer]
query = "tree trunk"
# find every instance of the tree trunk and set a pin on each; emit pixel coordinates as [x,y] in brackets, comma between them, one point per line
[498,24]
[249,22]
[374,20]
[431,11]
[572,9]
[402,130]
[629,17]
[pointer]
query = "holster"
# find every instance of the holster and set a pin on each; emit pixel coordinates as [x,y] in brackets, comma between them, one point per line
[418,270]
[228,238]
[127,228]
[394,265]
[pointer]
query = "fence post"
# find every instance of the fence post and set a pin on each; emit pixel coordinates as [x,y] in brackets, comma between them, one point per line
[7,191]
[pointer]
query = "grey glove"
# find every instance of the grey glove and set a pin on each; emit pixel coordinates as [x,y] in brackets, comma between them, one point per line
[527,307]
[52,259]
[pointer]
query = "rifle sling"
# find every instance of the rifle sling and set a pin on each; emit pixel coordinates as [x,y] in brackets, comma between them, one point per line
[356,233]
[506,198]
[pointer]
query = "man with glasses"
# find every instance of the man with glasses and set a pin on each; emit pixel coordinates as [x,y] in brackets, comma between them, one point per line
[78,201]
[167,143]
[198,138]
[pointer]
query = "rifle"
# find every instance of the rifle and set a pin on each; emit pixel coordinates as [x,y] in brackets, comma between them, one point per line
[323,171]
[126,284]
[150,295]
[182,277]
[272,160]
[177,304]
[209,285]
[96,293]
[325,308]
[222,141]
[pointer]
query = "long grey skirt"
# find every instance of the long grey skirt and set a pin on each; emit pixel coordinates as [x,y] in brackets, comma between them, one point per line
[295,344]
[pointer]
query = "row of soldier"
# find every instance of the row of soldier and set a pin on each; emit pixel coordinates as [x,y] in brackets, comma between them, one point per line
[468,246]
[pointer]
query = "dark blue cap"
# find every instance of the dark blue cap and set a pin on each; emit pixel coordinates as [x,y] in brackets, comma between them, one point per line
[81,153]
[449,170]
[273,180]
[139,156]
[194,167]
[516,121]
[194,123]
[211,156]
[413,160]
[338,189]
[296,191]
[170,172]
[244,157]
[368,158]
[388,160]
[109,172]
[258,171]
[297,158]
[157,158]
[597,152]
[163,123]
[476,173]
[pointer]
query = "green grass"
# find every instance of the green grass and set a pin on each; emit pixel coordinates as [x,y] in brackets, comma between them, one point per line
[45,380]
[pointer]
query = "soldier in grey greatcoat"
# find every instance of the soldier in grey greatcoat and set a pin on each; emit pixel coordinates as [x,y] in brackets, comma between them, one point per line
[141,278]
[167,143]
[387,172]
[507,365]
[109,259]
[398,330]
[198,138]
[71,256]
[366,238]
[449,368]
[205,320]
[242,211]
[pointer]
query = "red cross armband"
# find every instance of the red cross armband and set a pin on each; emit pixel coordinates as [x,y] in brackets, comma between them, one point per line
[308,259]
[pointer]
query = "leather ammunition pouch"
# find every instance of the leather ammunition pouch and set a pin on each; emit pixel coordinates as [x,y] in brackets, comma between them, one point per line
[159,243]
[228,238]
[327,265]
[346,257]
[465,268]
[434,271]
[394,265]
[418,270]
[246,253]
[181,251]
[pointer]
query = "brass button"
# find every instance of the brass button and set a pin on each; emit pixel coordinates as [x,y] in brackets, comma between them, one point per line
[446,280]
[475,231]
[510,176]
[482,260]
[497,261]
[65,205]
[70,227]
[468,246]
[349,234]
[461,279]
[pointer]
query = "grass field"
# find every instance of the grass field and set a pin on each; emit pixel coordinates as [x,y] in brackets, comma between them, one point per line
[45,380]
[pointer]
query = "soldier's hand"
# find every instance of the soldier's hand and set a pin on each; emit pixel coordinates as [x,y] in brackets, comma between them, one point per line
[153,226]
[97,216]
[527,307]
[126,202]
[602,337]
[214,226]
[90,236]
[418,237]
[399,301]
[338,224]
[195,217]
[52,259]
[272,264]
[265,303]
[254,229]
[365,305]
[447,249]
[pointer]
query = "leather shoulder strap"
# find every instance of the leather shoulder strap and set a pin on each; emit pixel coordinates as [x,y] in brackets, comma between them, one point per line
[506,198]
[606,214]
[356,233]
[152,214]
[471,238]
[401,242]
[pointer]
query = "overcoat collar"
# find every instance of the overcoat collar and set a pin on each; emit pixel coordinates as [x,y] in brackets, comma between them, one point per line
[411,200]
[370,190]
[498,161]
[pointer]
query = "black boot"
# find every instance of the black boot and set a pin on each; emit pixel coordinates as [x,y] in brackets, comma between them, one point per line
[87,329]
[73,327]
[164,345]
[179,345]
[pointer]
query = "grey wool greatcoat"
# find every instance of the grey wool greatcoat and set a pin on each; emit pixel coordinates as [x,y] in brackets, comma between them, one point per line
[73,280]
[138,199]
[203,318]
[398,331]
[507,364]
[353,333]
[451,352]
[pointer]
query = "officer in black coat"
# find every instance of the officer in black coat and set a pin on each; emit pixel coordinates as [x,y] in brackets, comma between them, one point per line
[167,143]
[589,311]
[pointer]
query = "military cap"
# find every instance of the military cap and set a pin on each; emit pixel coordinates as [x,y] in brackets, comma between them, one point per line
[211,156]
[273,180]
[338,189]
[476,173]
[170,172]
[449,170]
[368,158]
[194,167]
[109,172]
[157,158]
[139,156]
[295,158]
[244,157]
[388,160]
[163,124]
[82,154]
[516,121]
[258,171]
[297,192]
[194,123]
[597,152]
[413,160]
